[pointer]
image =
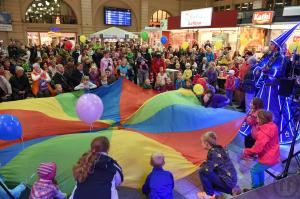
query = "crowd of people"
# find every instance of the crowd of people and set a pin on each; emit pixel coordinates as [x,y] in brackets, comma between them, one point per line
[42,71]
[48,70]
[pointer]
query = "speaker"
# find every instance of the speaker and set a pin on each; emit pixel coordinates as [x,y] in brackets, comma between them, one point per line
[126,36]
[101,36]
[286,87]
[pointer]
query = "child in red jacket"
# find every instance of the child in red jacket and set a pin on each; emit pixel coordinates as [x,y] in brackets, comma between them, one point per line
[266,147]
[230,85]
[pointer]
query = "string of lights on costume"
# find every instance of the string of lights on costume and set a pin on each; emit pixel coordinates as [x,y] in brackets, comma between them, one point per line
[267,73]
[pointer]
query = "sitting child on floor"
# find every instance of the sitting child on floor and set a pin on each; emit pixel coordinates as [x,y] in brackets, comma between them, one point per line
[46,187]
[180,82]
[58,89]
[217,173]
[159,183]
[85,84]
[266,147]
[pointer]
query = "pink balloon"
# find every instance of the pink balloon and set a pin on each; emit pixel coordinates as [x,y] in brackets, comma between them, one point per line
[89,108]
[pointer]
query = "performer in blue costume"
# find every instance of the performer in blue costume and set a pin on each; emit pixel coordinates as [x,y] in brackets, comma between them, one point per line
[267,73]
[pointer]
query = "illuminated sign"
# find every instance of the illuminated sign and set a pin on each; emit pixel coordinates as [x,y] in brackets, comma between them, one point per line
[263,17]
[196,18]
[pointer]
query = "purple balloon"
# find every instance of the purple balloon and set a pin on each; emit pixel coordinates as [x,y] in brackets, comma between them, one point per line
[89,108]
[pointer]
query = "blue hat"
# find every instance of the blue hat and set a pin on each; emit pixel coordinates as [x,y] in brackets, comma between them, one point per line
[279,41]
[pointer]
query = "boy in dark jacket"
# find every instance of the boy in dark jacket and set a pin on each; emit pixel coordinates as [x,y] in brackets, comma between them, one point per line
[159,183]
[217,173]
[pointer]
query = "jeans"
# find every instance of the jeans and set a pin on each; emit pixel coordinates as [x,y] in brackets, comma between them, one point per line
[258,175]
[248,99]
[229,94]
[211,182]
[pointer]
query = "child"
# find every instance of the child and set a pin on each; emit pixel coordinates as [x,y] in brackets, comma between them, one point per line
[230,85]
[147,84]
[103,81]
[251,120]
[96,173]
[214,100]
[266,147]
[161,76]
[159,183]
[94,74]
[45,187]
[187,74]
[188,84]
[123,68]
[180,82]
[110,77]
[169,85]
[177,67]
[217,173]
[58,89]
[85,84]
[158,85]
[143,72]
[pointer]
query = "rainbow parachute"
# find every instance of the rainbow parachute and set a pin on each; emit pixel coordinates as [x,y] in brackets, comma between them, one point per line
[138,122]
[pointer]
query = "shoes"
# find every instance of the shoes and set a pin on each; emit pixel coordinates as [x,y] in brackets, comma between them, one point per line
[246,190]
[203,195]
[236,191]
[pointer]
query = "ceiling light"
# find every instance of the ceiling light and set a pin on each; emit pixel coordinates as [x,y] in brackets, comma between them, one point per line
[40,4]
[47,3]
[33,5]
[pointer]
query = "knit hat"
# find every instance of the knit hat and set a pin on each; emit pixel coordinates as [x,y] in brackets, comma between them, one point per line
[47,171]
[231,72]
[158,159]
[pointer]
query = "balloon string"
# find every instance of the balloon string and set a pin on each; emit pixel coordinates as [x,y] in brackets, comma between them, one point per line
[22,140]
[91,127]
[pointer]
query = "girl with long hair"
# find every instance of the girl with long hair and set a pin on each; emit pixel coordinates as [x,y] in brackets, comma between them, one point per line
[96,173]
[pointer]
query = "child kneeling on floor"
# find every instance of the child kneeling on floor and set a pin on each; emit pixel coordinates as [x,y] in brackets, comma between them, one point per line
[217,173]
[159,183]
[46,187]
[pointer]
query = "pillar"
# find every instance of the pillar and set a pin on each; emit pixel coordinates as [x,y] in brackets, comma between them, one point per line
[87,18]
[144,13]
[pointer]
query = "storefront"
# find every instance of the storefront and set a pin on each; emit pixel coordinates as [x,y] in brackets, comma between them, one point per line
[48,38]
[40,34]
[200,28]
[256,36]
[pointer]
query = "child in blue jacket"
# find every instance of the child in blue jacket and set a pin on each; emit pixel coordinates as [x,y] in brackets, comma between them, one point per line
[159,183]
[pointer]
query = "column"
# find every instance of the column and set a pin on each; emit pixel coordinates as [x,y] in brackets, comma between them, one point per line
[87,18]
[144,13]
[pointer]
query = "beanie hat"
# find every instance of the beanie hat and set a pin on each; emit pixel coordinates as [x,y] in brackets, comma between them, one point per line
[47,171]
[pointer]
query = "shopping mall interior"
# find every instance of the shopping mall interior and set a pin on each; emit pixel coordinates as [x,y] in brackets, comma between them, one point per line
[158,99]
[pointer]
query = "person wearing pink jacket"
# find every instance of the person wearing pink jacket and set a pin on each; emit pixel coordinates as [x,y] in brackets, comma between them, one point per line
[266,147]
[251,119]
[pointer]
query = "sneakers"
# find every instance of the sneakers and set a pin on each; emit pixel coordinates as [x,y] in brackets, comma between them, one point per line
[203,195]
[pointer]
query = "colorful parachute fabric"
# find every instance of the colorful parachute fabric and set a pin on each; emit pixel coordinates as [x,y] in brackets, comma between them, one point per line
[136,121]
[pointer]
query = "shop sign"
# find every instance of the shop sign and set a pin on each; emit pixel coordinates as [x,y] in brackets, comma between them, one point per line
[5,21]
[54,29]
[296,39]
[196,18]
[263,17]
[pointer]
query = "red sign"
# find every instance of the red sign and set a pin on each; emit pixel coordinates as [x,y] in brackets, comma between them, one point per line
[296,39]
[263,17]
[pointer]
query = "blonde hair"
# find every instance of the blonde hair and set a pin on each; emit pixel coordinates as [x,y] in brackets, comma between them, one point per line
[157,159]
[85,78]
[84,165]
[210,137]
